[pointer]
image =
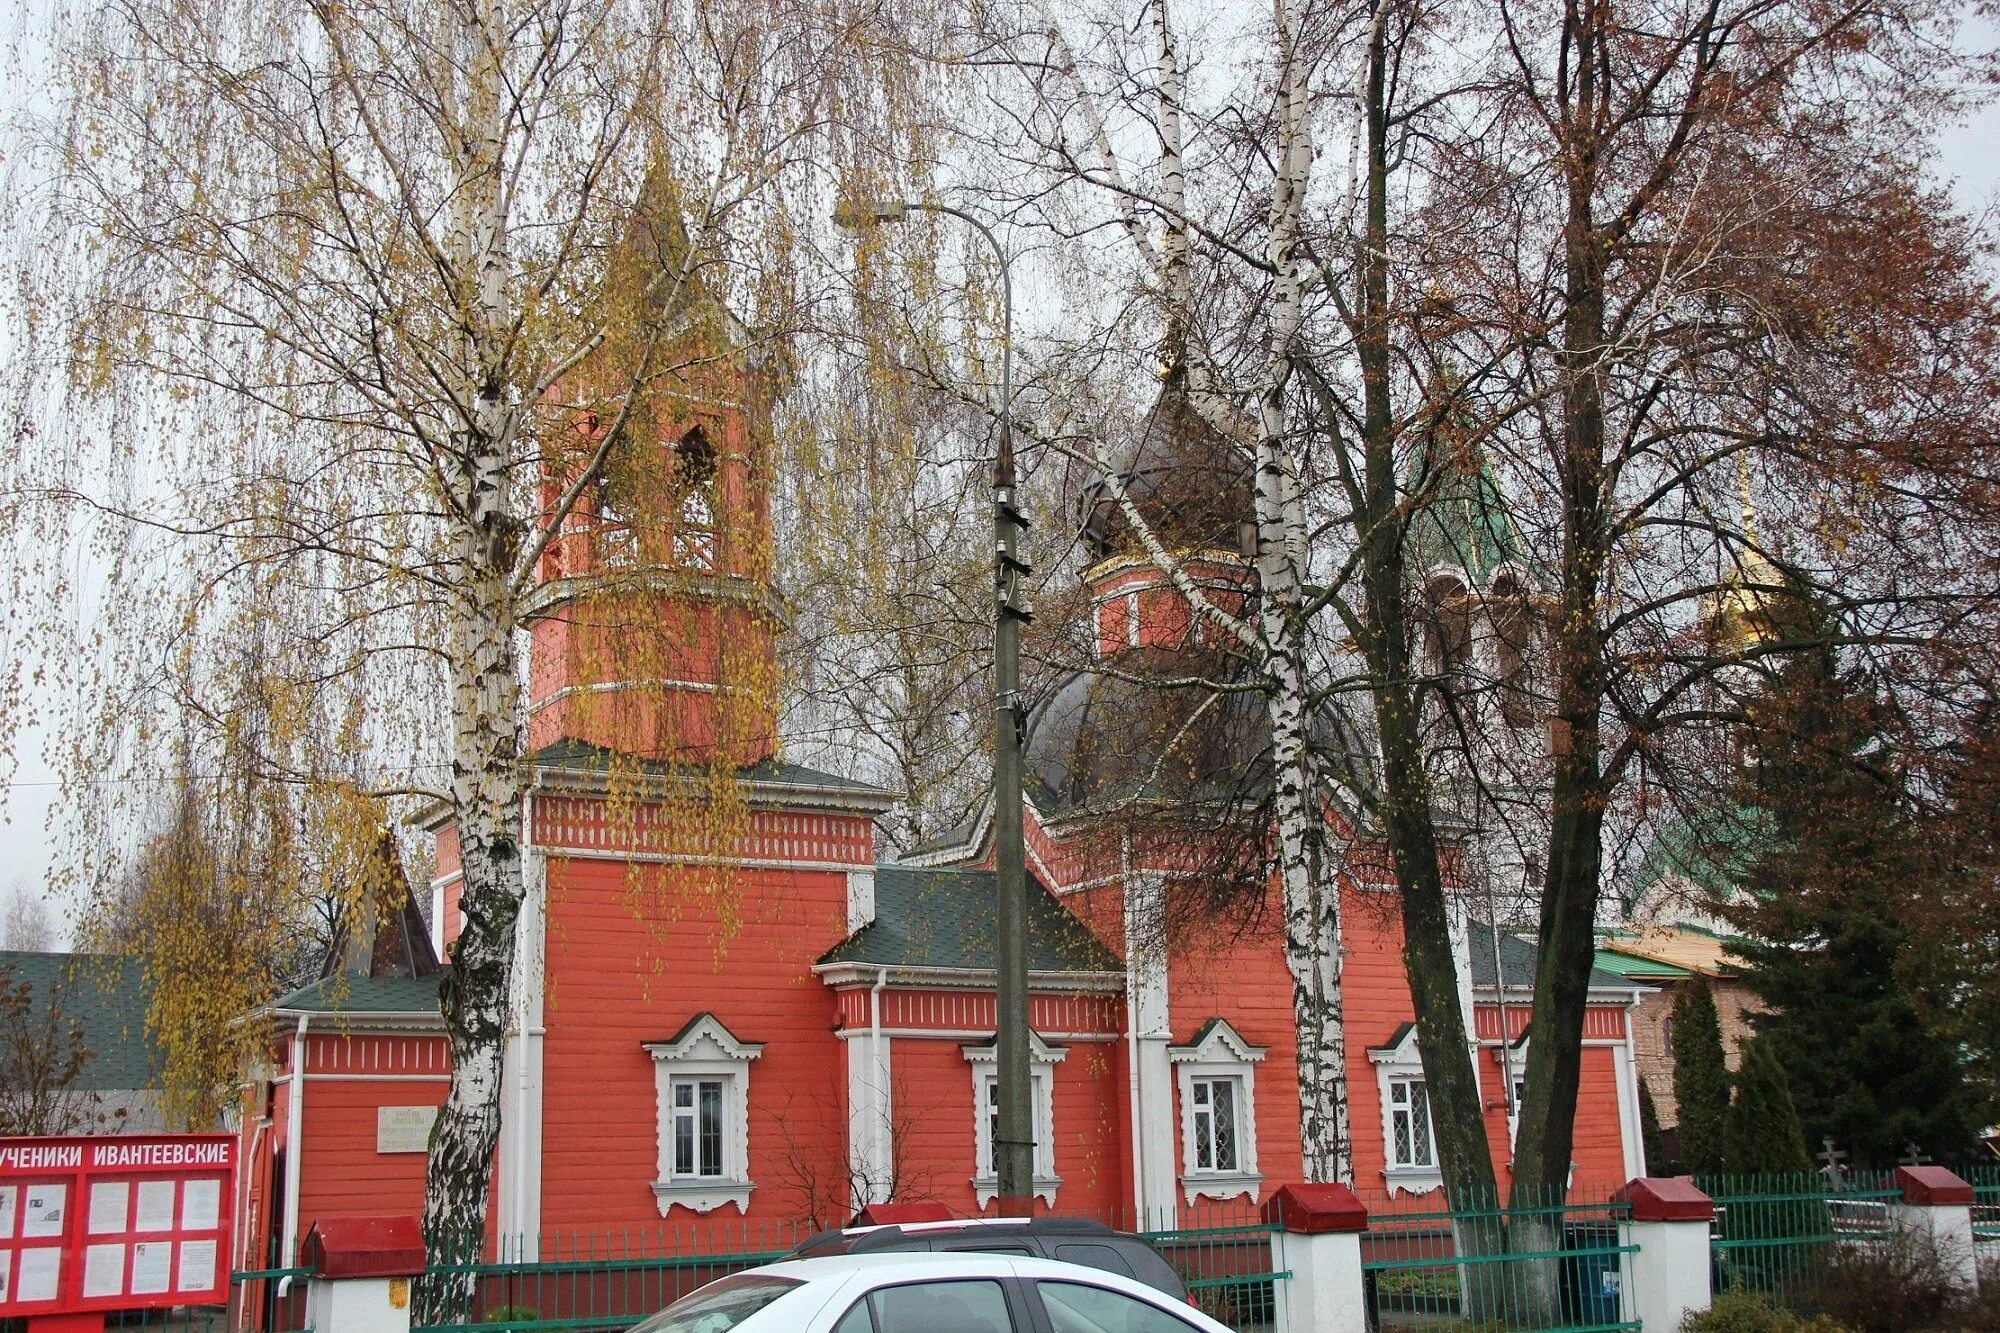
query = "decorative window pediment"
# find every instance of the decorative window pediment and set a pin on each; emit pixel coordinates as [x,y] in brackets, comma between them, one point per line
[701,1077]
[1409,1145]
[1217,1073]
[1042,1061]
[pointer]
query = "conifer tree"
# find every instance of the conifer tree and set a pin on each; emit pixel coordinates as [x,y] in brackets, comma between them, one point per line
[1658,1160]
[1701,1077]
[1840,873]
[1761,1135]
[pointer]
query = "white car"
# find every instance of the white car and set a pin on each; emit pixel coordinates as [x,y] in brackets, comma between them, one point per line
[927,1293]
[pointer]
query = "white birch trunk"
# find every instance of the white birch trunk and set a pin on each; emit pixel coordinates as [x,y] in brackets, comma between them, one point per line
[486,702]
[1311,899]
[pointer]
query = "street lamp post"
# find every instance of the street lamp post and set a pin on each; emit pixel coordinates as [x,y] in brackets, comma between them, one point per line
[1014,1141]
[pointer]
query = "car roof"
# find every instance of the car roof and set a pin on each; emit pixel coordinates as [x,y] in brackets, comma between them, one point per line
[921,1263]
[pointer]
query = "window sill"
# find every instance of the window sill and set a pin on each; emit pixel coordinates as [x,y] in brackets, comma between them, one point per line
[701,1195]
[1221,1185]
[987,1188]
[1412,1179]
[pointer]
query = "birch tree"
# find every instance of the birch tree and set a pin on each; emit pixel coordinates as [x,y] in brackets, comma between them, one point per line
[1105,136]
[329,289]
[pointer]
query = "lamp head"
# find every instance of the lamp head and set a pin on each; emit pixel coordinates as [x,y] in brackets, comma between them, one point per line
[855,214]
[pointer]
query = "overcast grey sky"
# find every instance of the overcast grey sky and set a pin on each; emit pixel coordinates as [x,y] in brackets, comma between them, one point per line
[1969,156]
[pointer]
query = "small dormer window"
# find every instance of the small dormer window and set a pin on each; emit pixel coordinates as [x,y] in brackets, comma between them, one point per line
[694,501]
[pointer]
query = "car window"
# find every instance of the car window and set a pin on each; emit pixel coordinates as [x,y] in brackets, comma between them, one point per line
[719,1306]
[856,1320]
[941,1307]
[1095,1256]
[1076,1308]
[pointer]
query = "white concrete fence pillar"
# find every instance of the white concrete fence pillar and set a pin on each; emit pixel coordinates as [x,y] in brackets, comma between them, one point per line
[1936,1211]
[1318,1241]
[362,1271]
[1669,1274]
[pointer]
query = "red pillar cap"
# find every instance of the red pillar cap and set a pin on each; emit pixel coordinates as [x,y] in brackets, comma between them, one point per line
[899,1214]
[1931,1187]
[1316,1210]
[1666,1199]
[343,1247]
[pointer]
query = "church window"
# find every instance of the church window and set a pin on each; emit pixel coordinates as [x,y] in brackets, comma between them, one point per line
[1409,1142]
[1214,1117]
[1217,1082]
[1513,628]
[694,501]
[1042,1061]
[1448,626]
[615,545]
[702,1075]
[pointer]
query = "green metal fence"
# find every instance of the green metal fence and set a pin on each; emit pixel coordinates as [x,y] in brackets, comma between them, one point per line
[1223,1252]
[1985,1182]
[577,1283]
[1552,1265]
[1775,1235]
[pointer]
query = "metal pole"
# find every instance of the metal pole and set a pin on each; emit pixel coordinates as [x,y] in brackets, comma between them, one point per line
[1014,1143]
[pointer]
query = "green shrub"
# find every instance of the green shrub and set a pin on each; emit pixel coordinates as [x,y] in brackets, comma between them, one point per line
[1747,1312]
[512,1314]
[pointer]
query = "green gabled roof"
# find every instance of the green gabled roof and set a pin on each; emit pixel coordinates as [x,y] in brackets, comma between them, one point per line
[1464,524]
[1638,969]
[106,996]
[1712,848]
[596,759]
[949,919]
[355,994]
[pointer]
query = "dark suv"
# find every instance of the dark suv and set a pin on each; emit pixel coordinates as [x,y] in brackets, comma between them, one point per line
[1072,1240]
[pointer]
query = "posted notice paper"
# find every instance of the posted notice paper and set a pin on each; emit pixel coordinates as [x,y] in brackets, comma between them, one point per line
[39,1274]
[104,1270]
[156,1206]
[8,1193]
[197,1270]
[44,1208]
[152,1267]
[108,1199]
[201,1205]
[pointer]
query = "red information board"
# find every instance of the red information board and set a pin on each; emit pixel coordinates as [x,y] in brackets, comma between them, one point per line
[115,1223]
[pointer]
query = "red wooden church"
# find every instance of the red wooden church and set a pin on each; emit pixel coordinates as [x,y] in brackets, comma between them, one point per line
[771,1025]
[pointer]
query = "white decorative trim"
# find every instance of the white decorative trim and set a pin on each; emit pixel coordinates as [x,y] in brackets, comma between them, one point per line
[707,1050]
[967,978]
[860,898]
[1392,1063]
[1042,1062]
[1222,1053]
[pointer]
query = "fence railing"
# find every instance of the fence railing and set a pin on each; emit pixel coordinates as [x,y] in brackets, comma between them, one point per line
[1775,1235]
[570,1282]
[1551,1265]
[1224,1255]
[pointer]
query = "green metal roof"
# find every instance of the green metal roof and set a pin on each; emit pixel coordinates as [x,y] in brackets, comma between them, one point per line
[1638,969]
[1465,524]
[106,996]
[1518,958]
[352,993]
[1711,848]
[595,758]
[949,918]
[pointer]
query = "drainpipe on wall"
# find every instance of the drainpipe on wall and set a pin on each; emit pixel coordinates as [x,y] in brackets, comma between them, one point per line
[885,1147]
[295,1109]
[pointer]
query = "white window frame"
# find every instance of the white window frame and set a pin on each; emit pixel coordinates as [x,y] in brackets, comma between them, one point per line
[1401,1063]
[1512,1058]
[1042,1062]
[1218,1053]
[704,1051]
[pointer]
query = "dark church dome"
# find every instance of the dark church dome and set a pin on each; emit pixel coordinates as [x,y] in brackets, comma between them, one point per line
[1191,485]
[1101,740]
